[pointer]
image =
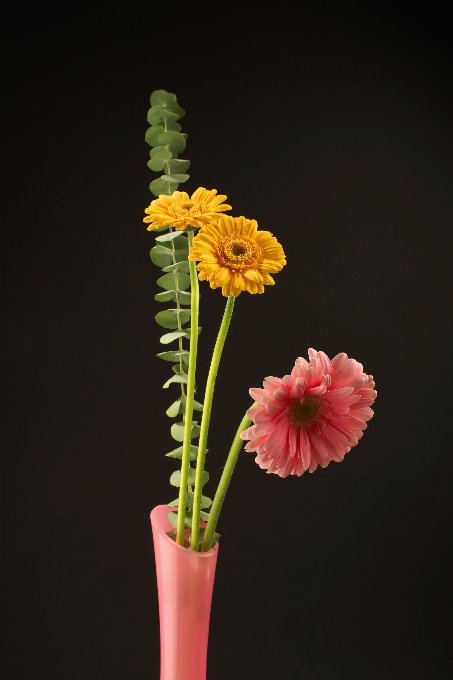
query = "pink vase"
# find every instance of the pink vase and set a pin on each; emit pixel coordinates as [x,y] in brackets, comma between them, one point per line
[185,580]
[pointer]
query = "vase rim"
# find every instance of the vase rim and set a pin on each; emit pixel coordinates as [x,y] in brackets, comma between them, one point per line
[158,518]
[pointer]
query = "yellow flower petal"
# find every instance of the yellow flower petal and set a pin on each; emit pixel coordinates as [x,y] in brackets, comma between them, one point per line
[181,211]
[234,255]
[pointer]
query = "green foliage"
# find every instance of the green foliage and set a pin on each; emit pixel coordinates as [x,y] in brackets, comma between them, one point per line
[205,501]
[175,178]
[173,519]
[175,409]
[177,431]
[180,378]
[170,237]
[164,113]
[167,141]
[160,97]
[161,256]
[169,337]
[175,280]
[172,141]
[178,266]
[170,254]
[177,453]
[177,165]
[159,186]
[215,538]
[171,318]
[153,133]
[175,479]
[159,160]
[172,125]
[164,297]
[174,356]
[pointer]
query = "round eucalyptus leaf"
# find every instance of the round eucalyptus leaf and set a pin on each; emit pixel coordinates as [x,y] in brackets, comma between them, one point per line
[165,297]
[152,134]
[178,266]
[170,237]
[156,165]
[177,431]
[162,97]
[170,179]
[173,125]
[159,187]
[181,242]
[173,410]
[168,356]
[177,453]
[169,337]
[174,280]
[173,140]
[169,318]
[177,177]
[184,297]
[181,378]
[157,149]
[178,165]
[161,256]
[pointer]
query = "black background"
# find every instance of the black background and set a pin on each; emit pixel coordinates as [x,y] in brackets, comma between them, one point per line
[332,128]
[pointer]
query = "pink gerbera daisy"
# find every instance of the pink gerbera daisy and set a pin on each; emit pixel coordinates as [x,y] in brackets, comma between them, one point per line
[310,417]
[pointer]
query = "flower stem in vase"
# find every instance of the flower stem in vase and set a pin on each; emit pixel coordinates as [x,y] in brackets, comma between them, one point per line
[204,428]
[223,484]
[194,310]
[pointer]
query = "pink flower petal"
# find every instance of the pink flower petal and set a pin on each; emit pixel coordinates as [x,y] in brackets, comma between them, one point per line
[271,383]
[288,447]
[276,407]
[253,411]
[338,360]
[257,393]
[304,448]
[292,440]
[301,365]
[287,382]
[364,412]
[277,435]
[325,363]
[298,390]
[280,394]
[338,393]
[345,372]
[316,390]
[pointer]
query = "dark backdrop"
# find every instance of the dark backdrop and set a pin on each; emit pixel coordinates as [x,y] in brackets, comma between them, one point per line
[331,127]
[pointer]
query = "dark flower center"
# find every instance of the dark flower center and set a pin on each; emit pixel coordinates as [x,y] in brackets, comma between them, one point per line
[302,414]
[238,252]
[238,249]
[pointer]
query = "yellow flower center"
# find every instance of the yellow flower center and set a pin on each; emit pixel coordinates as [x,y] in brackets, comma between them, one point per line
[187,208]
[238,252]
[303,414]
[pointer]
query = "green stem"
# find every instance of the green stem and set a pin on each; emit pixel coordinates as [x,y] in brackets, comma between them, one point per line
[178,307]
[194,302]
[204,428]
[223,484]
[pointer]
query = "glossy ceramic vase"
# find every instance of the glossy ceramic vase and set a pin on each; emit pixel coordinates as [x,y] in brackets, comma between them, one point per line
[185,580]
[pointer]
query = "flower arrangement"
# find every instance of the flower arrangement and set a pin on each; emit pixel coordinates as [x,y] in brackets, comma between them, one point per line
[306,419]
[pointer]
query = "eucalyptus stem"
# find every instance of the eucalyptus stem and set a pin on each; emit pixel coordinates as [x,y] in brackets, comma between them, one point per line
[223,484]
[204,427]
[194,303]
[178,307]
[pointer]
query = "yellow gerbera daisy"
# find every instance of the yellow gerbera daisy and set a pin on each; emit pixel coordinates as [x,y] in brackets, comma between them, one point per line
[235,256]
[180,211]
